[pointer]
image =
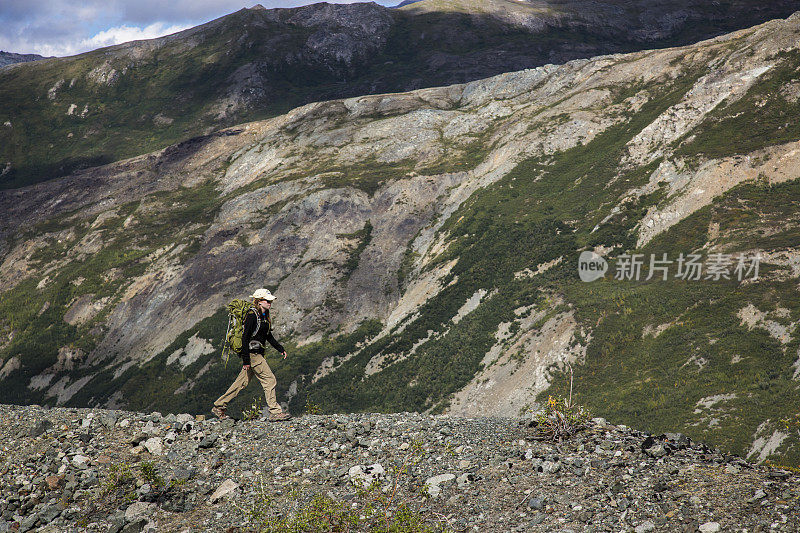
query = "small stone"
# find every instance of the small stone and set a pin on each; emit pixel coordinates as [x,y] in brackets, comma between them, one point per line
[28,523]
[463,464]
[138,510]
[109,420]
[405,446]
[550,467]
[365,475]
[183,418]
[137,439]
[733,469]
[656,451]
[433,483]
[53,482]
[117,522]
[536,504]
[208,441]
[135,526]
[227,487]
[465,479]
[710,527]
[184,474]
[80,462]
[41,428]
[154,446]
[644,527]
[49,513]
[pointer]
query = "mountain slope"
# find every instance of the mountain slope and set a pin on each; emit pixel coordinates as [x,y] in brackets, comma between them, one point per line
[424,248]
[10,58]
[65,114]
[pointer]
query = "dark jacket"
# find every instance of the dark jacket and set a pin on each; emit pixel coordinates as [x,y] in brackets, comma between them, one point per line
[263,336]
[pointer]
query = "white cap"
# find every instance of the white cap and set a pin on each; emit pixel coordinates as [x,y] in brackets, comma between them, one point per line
[263,294]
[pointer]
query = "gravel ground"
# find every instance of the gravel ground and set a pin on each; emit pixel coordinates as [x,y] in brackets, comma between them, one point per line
[481,474]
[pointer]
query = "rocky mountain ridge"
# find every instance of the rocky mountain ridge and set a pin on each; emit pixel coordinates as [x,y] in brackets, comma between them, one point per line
[79,469]
[423,247]
[10,58]
[70,113]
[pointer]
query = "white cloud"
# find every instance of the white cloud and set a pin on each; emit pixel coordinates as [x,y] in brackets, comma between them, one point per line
[123,34]
[110,37]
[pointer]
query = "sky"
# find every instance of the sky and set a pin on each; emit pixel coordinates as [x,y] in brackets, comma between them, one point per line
[68,27]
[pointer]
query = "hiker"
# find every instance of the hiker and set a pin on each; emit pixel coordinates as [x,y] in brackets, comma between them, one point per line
[257,330]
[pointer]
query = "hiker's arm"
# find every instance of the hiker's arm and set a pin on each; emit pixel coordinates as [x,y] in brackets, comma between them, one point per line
[249,326]
[275,344]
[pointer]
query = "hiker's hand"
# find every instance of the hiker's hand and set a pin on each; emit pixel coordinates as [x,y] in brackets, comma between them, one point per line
[246,367]
[284,354]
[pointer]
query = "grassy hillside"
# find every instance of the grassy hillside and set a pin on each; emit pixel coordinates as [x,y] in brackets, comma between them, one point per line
[547,209]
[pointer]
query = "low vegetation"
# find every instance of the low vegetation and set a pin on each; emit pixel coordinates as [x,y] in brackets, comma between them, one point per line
[388,507]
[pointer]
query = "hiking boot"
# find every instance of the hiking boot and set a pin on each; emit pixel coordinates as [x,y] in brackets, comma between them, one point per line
[279,417]
[219,413]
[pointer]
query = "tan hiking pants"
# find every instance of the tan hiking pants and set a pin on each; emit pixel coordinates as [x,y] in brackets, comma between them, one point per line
[262,371]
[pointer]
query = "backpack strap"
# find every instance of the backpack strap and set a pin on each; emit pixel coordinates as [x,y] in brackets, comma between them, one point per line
[258,320]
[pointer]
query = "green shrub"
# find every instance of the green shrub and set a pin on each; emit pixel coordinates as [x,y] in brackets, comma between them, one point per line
[559,420]
[150,475]
[254,411]
[119,486]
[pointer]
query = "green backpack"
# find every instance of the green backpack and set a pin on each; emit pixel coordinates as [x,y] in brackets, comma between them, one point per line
[237,312]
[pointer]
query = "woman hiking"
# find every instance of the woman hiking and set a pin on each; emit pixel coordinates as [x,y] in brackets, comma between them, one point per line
[257,330]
